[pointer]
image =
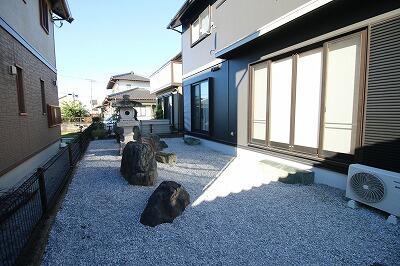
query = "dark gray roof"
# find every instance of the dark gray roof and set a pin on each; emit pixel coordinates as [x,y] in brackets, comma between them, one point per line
[61,9]
[176,20]
[136,94]
[131,76]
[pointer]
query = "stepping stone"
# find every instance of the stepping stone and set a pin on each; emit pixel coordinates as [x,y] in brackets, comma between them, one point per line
[166,157]
[292,175]
[191,141]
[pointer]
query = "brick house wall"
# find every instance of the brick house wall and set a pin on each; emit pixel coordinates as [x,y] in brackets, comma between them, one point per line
[21,137]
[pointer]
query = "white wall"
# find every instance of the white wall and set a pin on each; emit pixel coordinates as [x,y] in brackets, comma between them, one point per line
[25,19]
[162,78]
[121,85]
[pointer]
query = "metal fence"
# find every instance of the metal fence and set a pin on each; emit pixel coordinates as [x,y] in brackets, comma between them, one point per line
[22,209]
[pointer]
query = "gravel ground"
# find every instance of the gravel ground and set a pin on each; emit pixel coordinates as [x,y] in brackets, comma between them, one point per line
[272,224]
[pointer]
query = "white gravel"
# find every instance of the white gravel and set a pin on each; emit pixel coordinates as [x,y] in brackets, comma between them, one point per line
[274,224]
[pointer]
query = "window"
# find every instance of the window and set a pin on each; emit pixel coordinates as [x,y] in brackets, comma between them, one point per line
[200,107]
[309,102]
[20,91]
[53,115]
[44,15]
[43,96]
[342,86]
[201,26]
[281,86]
[259,101]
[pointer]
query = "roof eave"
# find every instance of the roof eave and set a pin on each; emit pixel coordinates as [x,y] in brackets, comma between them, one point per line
[61,9]
[175,21]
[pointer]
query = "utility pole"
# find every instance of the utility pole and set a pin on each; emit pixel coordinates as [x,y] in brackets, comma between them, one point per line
[91,93]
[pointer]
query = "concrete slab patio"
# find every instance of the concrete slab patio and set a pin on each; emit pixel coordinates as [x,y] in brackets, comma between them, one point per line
[238,216]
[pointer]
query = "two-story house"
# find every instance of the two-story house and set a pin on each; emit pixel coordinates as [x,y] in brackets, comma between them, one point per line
[166,84]
[127,81]
[29,116]
[313,82]
[137,87]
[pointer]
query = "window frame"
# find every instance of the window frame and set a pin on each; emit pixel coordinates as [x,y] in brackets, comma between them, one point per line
[43,96]
[204,35]
[308,152]
[192,87]
[53,115]
[44,15]
[20,91]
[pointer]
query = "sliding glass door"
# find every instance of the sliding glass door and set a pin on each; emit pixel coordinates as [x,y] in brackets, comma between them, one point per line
[200,107]
[259,85]
[342,95]
[309,102]
[280,102]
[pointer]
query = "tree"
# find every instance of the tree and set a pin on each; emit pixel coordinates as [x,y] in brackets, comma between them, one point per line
[72,109]
[159,113]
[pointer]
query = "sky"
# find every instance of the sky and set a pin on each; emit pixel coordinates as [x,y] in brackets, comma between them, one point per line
[113,37]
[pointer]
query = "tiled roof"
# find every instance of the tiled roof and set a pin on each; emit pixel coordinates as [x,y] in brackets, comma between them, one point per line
[136,94]
[131,76]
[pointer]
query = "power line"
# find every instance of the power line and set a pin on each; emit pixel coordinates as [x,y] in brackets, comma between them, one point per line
[82,78]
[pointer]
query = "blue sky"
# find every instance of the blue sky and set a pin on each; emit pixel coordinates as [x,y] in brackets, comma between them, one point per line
[113,37]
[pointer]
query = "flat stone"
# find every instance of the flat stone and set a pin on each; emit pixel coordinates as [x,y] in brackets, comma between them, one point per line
[191,141]
[292,175]
[166,157]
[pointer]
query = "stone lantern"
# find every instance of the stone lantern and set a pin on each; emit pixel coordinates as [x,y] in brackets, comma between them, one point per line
[127,120]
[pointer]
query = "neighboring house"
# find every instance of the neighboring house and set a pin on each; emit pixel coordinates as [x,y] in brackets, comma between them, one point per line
[127,81]
[166,83]
[315,82]
[30,115]
[143,96]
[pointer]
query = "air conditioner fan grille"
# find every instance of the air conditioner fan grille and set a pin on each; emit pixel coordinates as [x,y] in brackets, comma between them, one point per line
[368,187]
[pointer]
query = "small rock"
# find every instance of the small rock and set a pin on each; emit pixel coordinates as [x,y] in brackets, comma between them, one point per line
[191,141]
[138,164]
[163,145]
[166,157]
[166,203]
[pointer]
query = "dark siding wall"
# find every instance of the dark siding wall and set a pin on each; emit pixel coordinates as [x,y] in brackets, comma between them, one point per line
[223,104]
[382,127]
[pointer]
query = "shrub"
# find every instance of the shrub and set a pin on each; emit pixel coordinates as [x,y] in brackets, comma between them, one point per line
[100,133]
[95,119]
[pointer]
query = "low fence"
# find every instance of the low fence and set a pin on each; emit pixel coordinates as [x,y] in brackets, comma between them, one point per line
[22,209]
[156,126]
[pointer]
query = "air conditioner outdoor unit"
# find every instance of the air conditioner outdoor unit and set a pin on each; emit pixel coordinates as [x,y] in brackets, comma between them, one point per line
[374,187]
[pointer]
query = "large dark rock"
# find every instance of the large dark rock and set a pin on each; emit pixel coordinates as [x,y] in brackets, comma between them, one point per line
[138,165]
[166,203]
[166,157]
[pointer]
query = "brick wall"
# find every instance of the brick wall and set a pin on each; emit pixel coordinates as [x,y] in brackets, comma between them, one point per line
[23,136]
